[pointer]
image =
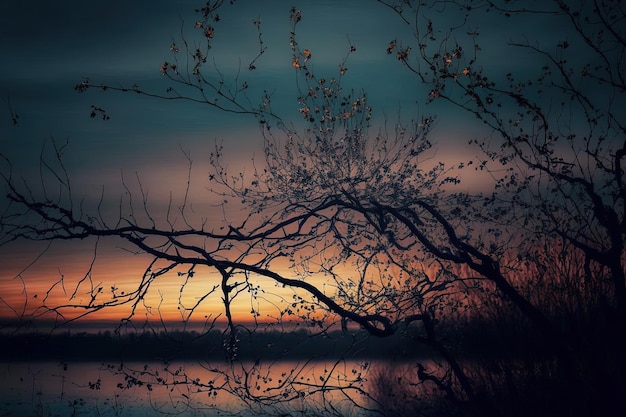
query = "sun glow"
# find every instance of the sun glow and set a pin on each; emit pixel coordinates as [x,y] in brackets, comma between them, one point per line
[104,281]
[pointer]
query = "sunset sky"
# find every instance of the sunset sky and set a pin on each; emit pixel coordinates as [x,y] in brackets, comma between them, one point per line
[48,47]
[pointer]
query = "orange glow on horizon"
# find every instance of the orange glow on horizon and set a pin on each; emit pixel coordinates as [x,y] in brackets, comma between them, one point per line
[60,278]
[24,289]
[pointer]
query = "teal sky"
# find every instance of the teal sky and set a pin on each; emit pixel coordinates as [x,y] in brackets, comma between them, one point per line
[49,47]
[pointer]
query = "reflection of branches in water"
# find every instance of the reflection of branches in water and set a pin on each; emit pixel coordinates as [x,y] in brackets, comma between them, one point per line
[315,383]
[323,387]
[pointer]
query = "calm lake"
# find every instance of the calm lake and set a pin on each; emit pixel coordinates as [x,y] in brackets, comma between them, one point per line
[185,389]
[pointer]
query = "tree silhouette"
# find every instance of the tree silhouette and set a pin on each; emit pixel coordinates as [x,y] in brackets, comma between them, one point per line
[572,167]
[399,247]
[555,144]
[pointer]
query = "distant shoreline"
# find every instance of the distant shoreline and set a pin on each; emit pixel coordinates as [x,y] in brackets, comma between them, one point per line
[179,345]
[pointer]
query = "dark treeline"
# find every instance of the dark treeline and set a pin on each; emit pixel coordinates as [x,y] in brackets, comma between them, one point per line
[180,345]
[503,337]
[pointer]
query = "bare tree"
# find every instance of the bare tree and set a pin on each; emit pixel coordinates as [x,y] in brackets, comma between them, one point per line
[555,141]
[561,133]
[375,214]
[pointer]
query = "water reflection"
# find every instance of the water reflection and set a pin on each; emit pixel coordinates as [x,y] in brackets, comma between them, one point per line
[197,388]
